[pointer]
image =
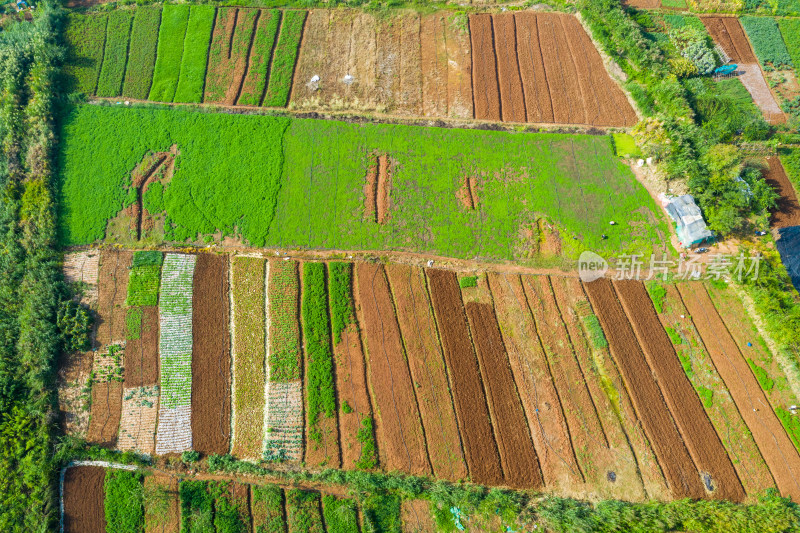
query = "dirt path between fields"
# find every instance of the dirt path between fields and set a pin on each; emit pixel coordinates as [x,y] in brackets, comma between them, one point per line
[701,439]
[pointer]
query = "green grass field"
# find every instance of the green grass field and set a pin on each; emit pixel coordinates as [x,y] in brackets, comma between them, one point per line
[195,54]
[171,35]
[142,52]
[116,53]
[309,194]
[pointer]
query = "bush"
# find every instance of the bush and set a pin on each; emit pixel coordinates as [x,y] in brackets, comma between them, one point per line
[190,457]
[75,324]
[767,42]
[284,58]
[124,501]
[706,396]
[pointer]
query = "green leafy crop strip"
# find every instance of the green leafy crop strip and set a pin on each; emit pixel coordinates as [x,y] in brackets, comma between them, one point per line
[144,279]
[255,83]
[342,313]
[284,58]
[197,507]
[116,53]
[317,333]
[267,505]
[341,514]
[142,52]
[303,512]
[767,41]
[124,501]
[284,297]
[85,37]
[790,30]
[171,35]
[195,54]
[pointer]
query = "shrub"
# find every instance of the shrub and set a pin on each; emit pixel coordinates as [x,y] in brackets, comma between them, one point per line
[197,507]
[342,313]
[190,457]
[255,82]
[84,35]
[767,41]
[706,396]
[75,324]
[284,58]
[195,54]
[116,51]
[124,501]
[171,35]
[468,281]
[316,329]
[142,52]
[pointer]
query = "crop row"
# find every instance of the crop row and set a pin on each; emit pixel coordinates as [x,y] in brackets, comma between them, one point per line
[142,52]
[303,511]
[341,280]
[790,29]
[85,35]
[145,276]
[283,61]
[228,55]
[267,505]
[124,501]
[171,34]
[767,42]
[284,356]
[284,436]
[219,506]
[255,83]
[317,332]
[195,53]
[116,53]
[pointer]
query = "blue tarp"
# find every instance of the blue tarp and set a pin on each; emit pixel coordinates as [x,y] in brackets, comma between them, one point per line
[789,247]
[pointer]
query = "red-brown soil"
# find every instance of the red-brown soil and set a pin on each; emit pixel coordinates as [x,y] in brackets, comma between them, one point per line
[161,509]
[255,61]
[233,31]
[351,388]
[424,353]
[508,75]
[387,61]
[729,34]
[535,384]
[486,92]
[106,413]
[517,455]
[777,449]
[628,456]
[141,355]
[699,435]
[459,71]
[400,433]
[547,27]
[682,476]
[572,88]
[377,189]
[433,54]
[211,357]
[417,517]
[410,101]
[84,497]
[480,448]
[538,106]
[112,285]
[574,35]
[788,213]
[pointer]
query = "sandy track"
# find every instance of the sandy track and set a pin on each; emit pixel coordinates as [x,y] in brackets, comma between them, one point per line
[399,429]
[426,362]
[508,75]
[682,476]
[699,435]
[211,358]
[517,454]
[480,448]
[84,510]
[484,68]
[776,447]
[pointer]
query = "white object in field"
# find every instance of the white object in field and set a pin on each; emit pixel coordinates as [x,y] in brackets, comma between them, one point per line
[639,162]
[649,161]
[348,79]
[613,223]
[683,316]
[430,263]
[313,83]
[690,226]
[286,258]
[127,102]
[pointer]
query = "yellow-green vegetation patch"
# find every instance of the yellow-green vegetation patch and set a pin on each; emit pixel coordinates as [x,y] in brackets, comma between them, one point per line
[171,34]
[625,146]
[116,53]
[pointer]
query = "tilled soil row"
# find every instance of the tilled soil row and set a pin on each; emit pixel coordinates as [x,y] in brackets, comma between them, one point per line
[112,284]
[480,448]
[508,75]
[426,362]
[517,455]
[777,449]
[400,435]
[141,354]
[729,34]
[84,497]
[788,212]
[162,514]
[486,91]
[681,473]
[699,435]
[211,358]
[227,63]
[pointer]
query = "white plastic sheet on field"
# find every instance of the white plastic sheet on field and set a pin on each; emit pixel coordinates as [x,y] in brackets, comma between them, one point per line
[175,354]
[284,435]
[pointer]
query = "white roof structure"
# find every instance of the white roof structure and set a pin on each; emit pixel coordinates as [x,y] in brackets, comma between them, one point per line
[691,227]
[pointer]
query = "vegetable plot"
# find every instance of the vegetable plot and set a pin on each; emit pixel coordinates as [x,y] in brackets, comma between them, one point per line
[767,42]
[124,501]
[195,54]
[85,37]
[175,347]
[171,35]
[116,53]
[144,279]
[142,52]
[284,58]
[255,82]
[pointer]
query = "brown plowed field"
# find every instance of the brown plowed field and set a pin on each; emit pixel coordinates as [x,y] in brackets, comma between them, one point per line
[535,384]
[106,413]
[433,50]
[517,455]
[426,362]
[508,76]
[112,284]
[538,106]
[410,102]
[141,355]
[737,439]
[351,387]
[399,430]
[84,498]
[162,511]
[484,68]
[788,213]
[573,32]
[586,433]
[729,34]
[211,357]
[682,476]
[459,71]
[553,66]
[634,480]
[776,447]
[480,448]
[577,111]
[699,435]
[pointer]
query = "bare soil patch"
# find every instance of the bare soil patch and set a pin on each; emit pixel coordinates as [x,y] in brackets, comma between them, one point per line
[106,413]
[425,360]
[554,65]
[399,429]
[776,447]
[537,391]
[410,97]
[433,54]
[416,517]
[84,497]
[82,268]
[538,104]
[459,70]
[480,448]
[729,34]
[753,79]
[377,189]
[112,284]
[508,75]
[211,358]
[788,213]
[162,509]
[484,68]
[467,194]
[517,455]
[699,435]
[141,354]
[137,426]
[682,476]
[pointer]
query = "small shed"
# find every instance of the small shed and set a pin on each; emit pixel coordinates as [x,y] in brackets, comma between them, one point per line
[689,221]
